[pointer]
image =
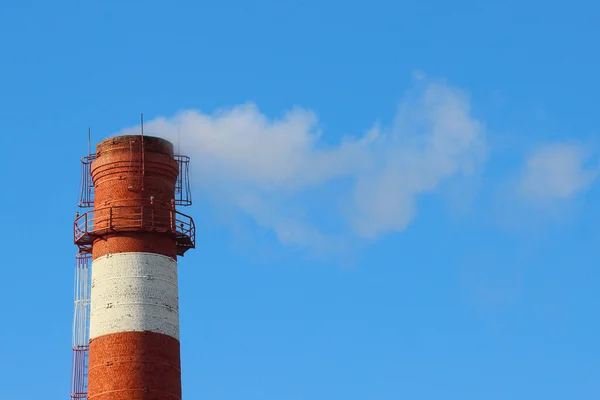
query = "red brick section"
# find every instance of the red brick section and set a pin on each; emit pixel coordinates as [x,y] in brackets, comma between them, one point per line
[134,365]
[125,191]
[143,242]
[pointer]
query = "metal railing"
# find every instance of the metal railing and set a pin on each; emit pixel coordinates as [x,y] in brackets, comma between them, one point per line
[81,326]
[183,192]
[147,218]
[86,196]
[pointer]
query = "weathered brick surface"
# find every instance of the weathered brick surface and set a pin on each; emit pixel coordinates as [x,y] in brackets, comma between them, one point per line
[134,292]
[134,366]
[153,144]
[117,171]
[122,198]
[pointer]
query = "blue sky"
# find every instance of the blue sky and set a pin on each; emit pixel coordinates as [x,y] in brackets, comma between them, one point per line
[394,200]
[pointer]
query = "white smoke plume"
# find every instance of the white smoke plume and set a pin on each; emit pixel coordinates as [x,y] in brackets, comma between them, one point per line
[557,172]
[279,171]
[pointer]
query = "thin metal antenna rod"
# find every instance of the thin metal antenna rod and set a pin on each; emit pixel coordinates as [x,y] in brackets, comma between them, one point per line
[143,152]
[89,140]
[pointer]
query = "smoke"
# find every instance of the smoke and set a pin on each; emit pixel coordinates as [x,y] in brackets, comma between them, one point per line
[557,171]
[283,174]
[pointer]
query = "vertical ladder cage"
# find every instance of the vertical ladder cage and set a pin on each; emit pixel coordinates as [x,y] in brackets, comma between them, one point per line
[183,193]
[81,326]
[81,315]
[86,196]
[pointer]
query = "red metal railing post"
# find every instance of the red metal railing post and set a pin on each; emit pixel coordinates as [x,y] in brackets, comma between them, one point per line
[153,222]
[172,217]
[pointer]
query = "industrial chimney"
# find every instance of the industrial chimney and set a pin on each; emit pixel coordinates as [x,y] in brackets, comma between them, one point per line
[126,333]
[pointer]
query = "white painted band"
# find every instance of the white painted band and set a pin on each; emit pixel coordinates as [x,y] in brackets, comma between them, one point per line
[134,292]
